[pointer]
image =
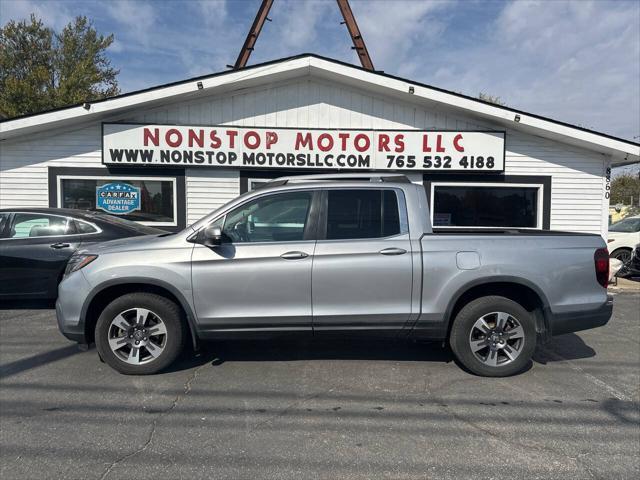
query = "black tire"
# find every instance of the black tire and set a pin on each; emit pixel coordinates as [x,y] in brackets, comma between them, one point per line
[622,254]
[463,325]
[173,343]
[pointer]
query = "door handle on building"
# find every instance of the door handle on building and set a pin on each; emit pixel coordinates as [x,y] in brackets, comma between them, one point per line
[393,251]
[59,245]
[294,255]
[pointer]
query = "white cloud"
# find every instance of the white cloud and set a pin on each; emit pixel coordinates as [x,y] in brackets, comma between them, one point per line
[139,19]
[577,61]
[213,12]
[176,48]
[50,13]
[398,32]
[299,21]
[574,61]
[298,26]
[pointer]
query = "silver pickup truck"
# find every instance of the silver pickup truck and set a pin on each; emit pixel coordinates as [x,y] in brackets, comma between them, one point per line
[334,254]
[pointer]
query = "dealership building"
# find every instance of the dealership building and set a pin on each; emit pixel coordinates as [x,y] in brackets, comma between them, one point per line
[168,155]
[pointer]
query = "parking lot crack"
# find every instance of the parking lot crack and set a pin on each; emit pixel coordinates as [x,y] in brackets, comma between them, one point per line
[187,388]
[290,407]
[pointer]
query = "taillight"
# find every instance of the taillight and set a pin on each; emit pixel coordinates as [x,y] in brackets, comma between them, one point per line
[601,260]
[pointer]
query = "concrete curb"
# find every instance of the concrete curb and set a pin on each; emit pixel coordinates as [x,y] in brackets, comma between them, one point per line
[625,285]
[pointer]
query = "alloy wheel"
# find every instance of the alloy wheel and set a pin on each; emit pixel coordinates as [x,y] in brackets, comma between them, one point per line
[137,336]
[496,339]
[624,256]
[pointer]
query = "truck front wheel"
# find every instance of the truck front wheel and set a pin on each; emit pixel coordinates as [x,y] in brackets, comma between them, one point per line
[140,333]
[493,337]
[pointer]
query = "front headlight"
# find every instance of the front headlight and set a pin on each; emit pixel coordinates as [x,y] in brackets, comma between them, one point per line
[78,261]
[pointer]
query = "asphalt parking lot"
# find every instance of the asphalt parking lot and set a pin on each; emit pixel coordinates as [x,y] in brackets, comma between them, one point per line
[320,409]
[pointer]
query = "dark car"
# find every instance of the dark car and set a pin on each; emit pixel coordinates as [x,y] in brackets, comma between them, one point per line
[36,243]
[631,269]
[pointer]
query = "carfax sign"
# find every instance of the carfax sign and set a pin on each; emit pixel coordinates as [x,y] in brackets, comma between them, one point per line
[118,198]
[251,147]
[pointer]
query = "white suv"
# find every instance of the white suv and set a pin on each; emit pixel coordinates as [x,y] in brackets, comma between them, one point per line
[623,237]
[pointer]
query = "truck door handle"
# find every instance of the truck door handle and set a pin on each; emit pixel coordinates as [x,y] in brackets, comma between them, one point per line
[294,255]
[392,251]
[60,245]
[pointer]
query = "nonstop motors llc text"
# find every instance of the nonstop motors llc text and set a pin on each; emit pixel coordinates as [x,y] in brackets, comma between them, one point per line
[130,144]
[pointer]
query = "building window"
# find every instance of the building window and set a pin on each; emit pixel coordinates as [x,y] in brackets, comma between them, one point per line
[481,205]
[157,197]
[253,183]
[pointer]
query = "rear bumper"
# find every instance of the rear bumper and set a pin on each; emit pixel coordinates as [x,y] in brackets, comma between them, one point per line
[575,321]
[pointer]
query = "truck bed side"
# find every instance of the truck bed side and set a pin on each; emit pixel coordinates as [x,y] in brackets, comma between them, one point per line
[558,267]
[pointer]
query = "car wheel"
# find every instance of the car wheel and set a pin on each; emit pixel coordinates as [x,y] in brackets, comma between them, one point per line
[622,254]
[140,333]
[493,337]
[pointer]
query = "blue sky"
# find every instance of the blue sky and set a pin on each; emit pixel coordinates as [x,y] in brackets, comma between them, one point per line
[576,61]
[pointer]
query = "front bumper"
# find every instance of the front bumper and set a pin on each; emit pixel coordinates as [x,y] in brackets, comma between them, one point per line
[72,293]
[575,321]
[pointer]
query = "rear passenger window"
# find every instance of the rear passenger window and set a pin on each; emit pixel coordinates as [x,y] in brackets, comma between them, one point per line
[353,214]
[84,227]
[26,225]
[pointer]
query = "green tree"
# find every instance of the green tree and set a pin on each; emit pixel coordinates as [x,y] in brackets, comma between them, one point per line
[485,97]
[623,188]
[25,67]
[41,69]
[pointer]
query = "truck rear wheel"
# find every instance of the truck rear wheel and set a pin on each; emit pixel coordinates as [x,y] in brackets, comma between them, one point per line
[140,333]
[493,337]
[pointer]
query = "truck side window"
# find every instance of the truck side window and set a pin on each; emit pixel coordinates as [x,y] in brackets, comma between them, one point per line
[275,218]
[364,213]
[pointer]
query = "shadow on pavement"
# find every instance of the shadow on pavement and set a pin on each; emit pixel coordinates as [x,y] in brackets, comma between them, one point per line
[288,349]
[38,360]
[27,304]
[295,349]
[571,345]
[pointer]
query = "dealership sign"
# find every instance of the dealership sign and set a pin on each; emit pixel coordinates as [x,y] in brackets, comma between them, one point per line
[251,147]
[118,198]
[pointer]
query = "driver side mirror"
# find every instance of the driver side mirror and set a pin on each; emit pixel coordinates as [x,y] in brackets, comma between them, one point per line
[212,236]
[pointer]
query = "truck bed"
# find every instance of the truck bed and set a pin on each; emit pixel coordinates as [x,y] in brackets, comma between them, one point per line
[504,231]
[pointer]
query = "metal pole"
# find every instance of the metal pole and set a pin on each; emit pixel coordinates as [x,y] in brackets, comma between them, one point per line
[252,36]
[358,43]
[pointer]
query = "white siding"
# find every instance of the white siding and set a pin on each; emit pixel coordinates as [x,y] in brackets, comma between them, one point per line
[577,192]
[206,192]
[577,175]
[24,162]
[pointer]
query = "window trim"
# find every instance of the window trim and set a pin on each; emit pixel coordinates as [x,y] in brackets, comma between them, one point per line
[250,180]
[13,213]
[173,181]
[324,218]
[128,172]
[539,202]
